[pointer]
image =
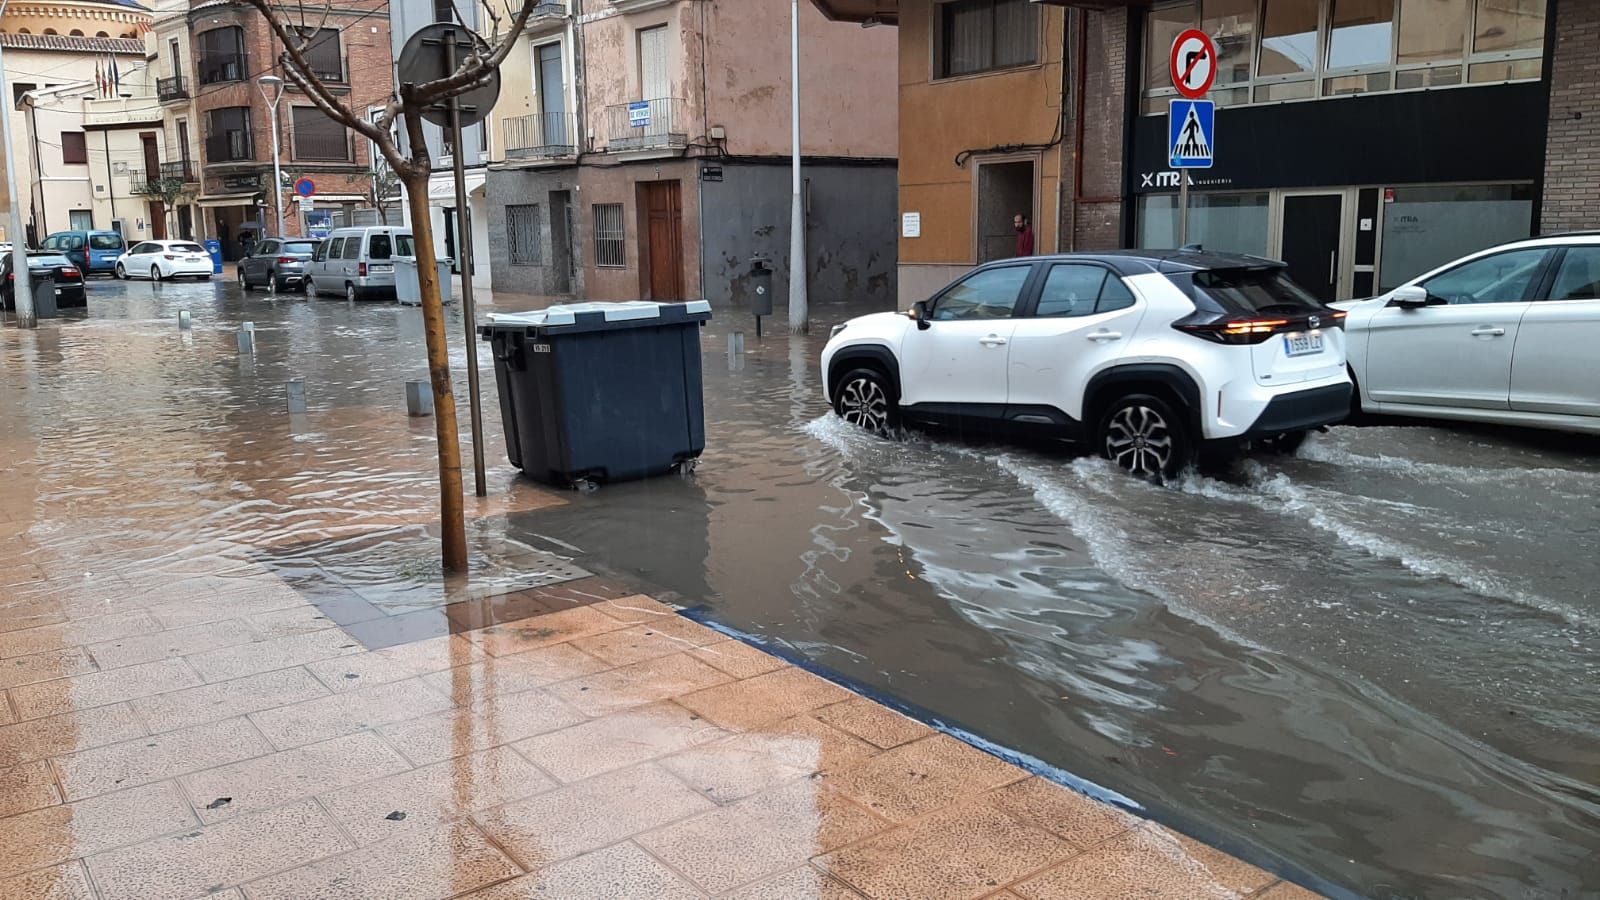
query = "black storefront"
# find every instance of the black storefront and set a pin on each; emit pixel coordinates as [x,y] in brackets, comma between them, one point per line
[1356,193]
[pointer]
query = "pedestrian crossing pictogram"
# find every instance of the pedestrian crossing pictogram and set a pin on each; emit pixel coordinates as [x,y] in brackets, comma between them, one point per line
[1190,134]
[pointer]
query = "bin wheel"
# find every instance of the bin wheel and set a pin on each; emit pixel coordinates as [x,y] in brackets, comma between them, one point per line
[585,485]
[688,466]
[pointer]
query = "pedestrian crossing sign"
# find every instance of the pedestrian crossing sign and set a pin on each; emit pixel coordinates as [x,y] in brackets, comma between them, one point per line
[1191,137]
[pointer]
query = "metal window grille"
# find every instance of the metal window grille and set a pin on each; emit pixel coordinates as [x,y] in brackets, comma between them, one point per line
[610,241]
[522,234]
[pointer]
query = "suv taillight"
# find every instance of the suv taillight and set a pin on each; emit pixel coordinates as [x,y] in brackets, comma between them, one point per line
[1253,329]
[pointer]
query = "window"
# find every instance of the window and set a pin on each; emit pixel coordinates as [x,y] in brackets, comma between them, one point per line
[221,52]
[444,11]
[175,56]
[352,248]
[1249,291]
[1579,275]
[989,294]
[983,35]
[188,248]
[1081,290]
[1304,49]
[318,137]
[1425,227]
[300,247]
[80,220]
[74,148]
[1237,223]
[610,242]
[145,247]
[522,234]
[403,245]
[1501,278]
[380,247]
[655,79]
[331,250]
[228,134]
[105,242]
[322,53]
[266,248]
[18,88]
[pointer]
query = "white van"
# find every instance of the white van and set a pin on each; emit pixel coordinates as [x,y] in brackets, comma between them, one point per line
[358,263]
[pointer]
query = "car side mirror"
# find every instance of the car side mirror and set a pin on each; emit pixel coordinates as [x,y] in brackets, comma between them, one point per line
[919,312]
[1410,297]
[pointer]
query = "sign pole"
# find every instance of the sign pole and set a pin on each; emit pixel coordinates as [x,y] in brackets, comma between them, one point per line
[1192,63]
[1183,208]
[464,252]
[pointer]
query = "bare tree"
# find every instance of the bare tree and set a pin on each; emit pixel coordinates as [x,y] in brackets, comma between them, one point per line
[295,27]
[380,184]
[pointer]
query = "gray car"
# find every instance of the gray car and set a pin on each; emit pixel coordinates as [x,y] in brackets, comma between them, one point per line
[277,263]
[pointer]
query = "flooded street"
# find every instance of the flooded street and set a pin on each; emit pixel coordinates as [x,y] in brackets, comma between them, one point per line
[1370,667]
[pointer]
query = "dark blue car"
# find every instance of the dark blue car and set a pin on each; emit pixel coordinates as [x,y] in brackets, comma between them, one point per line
[95,252]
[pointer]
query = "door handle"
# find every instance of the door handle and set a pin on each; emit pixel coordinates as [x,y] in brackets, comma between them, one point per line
[993,340]
[1487,331]
[1105,336]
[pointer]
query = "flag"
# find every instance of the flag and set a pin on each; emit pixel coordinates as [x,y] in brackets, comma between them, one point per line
[116,78]
[99,78]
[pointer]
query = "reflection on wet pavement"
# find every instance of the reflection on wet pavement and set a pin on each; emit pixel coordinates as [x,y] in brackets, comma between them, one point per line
[230,667]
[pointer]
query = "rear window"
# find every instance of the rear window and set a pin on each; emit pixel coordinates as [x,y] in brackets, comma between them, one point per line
[188,248]
[49,259]
[300,247]
[378,247]
[403,247]
[1245,291]
[105,242]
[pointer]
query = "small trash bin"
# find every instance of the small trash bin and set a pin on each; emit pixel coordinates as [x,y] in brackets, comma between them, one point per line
[408,286]
[600,391]
[214,247]
[43,286]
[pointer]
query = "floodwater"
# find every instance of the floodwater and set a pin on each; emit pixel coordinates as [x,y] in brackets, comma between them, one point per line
[1371,667]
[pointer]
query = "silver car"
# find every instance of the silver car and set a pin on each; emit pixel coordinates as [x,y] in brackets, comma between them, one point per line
[278,263]
[358,263]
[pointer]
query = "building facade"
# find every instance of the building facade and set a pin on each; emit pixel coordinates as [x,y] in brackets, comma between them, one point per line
[641,148]
[209,58]
[1361,141]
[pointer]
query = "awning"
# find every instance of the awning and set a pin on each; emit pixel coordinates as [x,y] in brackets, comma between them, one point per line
[443,187]
[228,200]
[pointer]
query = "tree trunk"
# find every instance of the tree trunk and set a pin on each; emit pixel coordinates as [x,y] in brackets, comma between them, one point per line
[451,516]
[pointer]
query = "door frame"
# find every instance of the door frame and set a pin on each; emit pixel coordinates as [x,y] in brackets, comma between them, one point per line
[1349,198]
[1037,159]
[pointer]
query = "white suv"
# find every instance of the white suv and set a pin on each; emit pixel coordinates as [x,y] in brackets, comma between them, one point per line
[1508,335]
[1150,355]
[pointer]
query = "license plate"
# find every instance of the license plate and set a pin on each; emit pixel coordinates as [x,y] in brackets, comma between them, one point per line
[383,268]
[1302,343]
[58,292]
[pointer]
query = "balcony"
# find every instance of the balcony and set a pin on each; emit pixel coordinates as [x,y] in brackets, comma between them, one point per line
[646,125]
[216,68]
[541,136]
[170,89]
[549,9]
[230,146]
[179,171]
[140,182]
[115,111]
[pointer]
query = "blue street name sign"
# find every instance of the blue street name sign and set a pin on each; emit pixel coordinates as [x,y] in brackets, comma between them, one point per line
[1191,134]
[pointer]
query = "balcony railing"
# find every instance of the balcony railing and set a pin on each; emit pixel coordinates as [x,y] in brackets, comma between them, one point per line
[216,68]
[549,8]
[140,182]
[646,125]
[230,146]
[541,136]
[181,171]
[172,88]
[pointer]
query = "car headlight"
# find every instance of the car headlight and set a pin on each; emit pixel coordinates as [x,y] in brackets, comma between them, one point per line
[838,328]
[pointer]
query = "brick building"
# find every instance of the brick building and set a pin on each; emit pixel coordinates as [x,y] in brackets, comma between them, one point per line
[211,56]
[1362,141]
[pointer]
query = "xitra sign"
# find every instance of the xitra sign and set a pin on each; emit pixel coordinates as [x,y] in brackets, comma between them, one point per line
[1190,134]
[1193,63]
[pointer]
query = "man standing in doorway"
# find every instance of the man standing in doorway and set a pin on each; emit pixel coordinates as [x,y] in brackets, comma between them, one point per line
[1024,235]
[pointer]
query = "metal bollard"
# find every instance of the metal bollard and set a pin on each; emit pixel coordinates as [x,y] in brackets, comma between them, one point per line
[419,399]
[736,342]
[184,323]
[295,390]
[247,337]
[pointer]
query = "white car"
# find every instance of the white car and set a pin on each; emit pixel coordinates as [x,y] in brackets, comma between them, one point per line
[1508,335]
[158,260]
[1150,356]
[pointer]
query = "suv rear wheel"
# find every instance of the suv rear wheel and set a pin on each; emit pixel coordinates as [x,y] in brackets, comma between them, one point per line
[866,398]
[1144,436]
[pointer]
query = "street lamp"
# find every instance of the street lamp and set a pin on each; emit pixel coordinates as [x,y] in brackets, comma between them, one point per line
[274,84]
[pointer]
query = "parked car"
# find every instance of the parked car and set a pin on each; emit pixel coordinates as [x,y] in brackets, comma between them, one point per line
[1150,356]
[68,278]
[358,263]
[94,252]
[158,260]
[278,263]
[1507,335]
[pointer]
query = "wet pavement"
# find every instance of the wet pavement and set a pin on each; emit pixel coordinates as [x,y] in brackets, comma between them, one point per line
[1369,668]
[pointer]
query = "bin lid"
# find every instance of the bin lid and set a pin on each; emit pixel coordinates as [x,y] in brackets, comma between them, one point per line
[600,315]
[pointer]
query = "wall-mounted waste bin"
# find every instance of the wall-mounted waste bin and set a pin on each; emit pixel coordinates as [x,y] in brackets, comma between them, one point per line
[600,391]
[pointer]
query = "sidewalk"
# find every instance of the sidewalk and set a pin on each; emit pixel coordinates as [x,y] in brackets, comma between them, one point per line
[230,669]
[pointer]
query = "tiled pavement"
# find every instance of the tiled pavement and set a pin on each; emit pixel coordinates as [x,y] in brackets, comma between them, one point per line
[580,743]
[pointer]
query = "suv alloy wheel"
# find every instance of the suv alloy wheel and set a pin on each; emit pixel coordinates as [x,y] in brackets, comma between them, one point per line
[1144,436]
[865,398]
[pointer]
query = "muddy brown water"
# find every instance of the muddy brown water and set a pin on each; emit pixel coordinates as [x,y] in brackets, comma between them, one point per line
[1370,667]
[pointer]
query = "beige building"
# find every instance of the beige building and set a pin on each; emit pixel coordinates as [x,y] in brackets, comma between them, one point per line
[641,148]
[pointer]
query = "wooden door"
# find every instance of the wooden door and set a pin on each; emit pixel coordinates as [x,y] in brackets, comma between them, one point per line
[664,221]
[152,159]
[158,220]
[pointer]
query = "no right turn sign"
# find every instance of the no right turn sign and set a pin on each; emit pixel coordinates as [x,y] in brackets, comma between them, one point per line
[1193,63]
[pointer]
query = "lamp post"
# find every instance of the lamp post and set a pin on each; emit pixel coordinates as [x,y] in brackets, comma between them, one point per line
[274,84]
[798,306]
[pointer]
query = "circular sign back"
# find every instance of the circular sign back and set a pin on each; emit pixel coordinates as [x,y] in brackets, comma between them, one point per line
[424,59]
[1193,63]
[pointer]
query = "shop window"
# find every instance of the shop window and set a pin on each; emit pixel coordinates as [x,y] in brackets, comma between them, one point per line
[610,241]
[1426,227]
[522,234]
[74,148]
[1235,223]
[984,35]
